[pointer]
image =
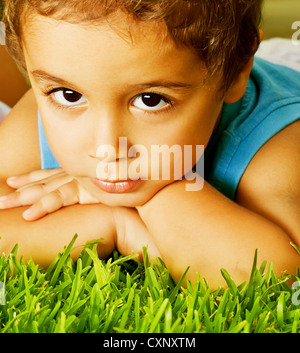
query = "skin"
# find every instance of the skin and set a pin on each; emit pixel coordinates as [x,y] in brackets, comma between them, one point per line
[203,229]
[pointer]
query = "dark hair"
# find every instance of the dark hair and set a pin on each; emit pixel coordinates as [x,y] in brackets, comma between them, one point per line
[224,33]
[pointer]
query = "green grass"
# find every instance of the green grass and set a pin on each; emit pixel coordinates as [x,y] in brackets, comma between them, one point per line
[119,295]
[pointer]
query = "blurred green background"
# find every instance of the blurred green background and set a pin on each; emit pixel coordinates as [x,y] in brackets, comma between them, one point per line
[278,16]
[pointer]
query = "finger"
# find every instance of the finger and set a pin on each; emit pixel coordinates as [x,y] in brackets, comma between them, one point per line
[32,193]
[22,198]
[65,195]
[23,179]
[48,184]
[51,183]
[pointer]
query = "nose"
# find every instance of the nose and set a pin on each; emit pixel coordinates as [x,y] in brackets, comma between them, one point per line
[107,130]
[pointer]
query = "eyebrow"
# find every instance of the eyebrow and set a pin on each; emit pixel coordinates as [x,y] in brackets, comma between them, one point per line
[164,84]
[41,76]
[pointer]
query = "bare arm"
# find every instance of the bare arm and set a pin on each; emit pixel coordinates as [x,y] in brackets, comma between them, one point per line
[206,231]
[19,145]
[43,239]
[277,194]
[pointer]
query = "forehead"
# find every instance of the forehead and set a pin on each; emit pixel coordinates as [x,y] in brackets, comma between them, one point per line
[121,47]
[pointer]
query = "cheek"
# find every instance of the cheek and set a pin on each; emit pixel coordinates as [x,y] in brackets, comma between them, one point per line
[65,146]
[202,125]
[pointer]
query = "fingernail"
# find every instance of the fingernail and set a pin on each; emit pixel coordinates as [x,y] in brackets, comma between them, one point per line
[12,178]
[2,202]
[27,213]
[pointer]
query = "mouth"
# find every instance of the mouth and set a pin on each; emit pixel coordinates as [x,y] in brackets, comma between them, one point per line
[117,187]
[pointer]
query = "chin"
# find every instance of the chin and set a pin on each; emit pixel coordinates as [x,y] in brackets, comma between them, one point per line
[140,196]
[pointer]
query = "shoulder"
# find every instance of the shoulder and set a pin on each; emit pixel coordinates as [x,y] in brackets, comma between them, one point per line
[270,185]
[19,143]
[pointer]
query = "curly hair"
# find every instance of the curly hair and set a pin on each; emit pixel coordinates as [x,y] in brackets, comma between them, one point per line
[224,33]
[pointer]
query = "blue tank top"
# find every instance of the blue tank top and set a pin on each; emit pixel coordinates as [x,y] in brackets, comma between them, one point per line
[271,103]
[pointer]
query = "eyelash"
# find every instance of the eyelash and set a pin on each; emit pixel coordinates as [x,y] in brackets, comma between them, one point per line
[166,110]
[50,90]
[48,93]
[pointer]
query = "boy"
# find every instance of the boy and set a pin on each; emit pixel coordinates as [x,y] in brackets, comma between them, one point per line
[174,73]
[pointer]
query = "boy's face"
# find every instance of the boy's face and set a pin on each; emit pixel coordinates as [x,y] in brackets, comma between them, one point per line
[94,85]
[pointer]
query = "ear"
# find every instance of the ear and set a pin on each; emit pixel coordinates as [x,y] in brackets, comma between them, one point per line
[238,87]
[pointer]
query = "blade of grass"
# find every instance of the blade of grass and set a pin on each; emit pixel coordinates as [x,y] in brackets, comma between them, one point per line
[76,284]
[178,286]
[231,285]
[101,273]
[63,260]
[158,316]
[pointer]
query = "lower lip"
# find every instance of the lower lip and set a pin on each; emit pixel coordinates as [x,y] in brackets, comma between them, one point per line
[121,187]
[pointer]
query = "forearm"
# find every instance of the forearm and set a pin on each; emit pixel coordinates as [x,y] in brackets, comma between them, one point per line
[206,231]
[43,239]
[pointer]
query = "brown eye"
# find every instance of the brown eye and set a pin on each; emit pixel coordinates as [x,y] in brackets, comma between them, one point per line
[69,97]
[72,96]
[151,99]
[150,102]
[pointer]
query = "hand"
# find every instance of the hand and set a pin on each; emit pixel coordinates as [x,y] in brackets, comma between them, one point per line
[132,234]
[46,190]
